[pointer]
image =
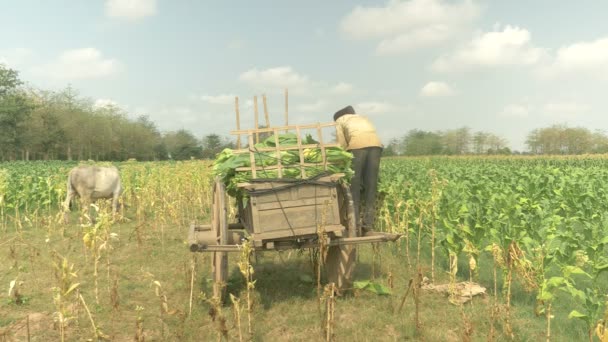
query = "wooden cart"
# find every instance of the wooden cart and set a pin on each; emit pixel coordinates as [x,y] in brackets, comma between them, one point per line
[285,213]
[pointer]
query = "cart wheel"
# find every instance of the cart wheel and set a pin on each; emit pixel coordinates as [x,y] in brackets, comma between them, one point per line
[219,267]
[340,260]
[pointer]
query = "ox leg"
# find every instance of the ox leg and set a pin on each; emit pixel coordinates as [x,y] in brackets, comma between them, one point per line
[115,205]
[66,206]
[85,210]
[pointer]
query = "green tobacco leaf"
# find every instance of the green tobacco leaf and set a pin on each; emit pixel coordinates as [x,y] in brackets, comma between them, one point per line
[361,284]
[568,270]
[576,314]
[370,286]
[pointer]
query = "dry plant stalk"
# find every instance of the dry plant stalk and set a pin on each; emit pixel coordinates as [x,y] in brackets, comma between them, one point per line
[14,292]
[99,335]
[330,309]
[247,271]
[97,239]
[114,297]
[216,314]
[409,287]
[139,325]
[436,187]
[467,326]
[321,252]
[236,304]
[192,275]
[64,274]
[406,219]
[164,306]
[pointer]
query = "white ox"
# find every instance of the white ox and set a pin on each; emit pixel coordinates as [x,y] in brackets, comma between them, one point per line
[91,183]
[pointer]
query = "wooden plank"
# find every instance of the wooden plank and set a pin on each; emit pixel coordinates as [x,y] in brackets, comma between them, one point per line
[275,167]
[285,148]
[278,149]
[268,185]
[282,128]
[255,110]
[294,217]
[323,156]
[285,244]
[296,232]
[300,149]
[297,203]
[252,157]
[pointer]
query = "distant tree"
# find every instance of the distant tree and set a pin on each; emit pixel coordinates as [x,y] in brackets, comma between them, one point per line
[457,141]
[599,142]
[418,143]
[9,80]
[182,145]
[560,139]
[480,142]
[212,144]
[14,111]
[392,149]
[496,144]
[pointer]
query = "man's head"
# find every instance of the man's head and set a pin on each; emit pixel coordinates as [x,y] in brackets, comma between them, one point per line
[344,111]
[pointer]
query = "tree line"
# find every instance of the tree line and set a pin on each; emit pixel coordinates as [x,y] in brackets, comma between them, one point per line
[41,125]
[450,142]
[556,139]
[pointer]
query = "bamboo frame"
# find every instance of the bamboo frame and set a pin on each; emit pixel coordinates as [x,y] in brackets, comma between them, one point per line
[282,128]
[266,118]
[286,107]
[255,109]
[238,122]
[253,138]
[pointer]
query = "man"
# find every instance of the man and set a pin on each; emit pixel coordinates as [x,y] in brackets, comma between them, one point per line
[357,135]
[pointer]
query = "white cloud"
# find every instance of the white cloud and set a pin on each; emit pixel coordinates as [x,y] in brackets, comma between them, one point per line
[422,37]
[590,58]
[83,63]
[342,88]
[130,9]
[404,25]
[311,107]
[218,99]
[516,111]
[14,58]
[511,46]
[565,110]
[372,108]
[279,77]
[104,103]
[436,89]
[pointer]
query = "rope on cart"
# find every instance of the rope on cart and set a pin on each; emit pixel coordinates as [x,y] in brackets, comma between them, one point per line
[292,183]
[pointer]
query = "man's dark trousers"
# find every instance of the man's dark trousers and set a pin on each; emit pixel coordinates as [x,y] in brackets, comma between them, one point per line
[366,164]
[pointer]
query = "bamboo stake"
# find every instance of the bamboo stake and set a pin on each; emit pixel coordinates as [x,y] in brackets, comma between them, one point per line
[286,108]
[267,119]
[255,108]
[238,122]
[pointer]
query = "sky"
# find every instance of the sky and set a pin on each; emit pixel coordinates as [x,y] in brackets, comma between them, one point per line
[505,67]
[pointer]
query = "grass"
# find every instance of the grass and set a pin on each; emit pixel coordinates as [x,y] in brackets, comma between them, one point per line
[286,306]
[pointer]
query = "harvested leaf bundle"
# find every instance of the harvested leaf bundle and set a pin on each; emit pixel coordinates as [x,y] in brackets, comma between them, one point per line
[227,162]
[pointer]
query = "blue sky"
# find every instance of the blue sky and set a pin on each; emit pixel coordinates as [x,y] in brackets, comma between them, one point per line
[504,67]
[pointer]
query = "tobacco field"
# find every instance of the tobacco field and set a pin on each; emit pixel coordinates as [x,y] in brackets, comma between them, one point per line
[532,230]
